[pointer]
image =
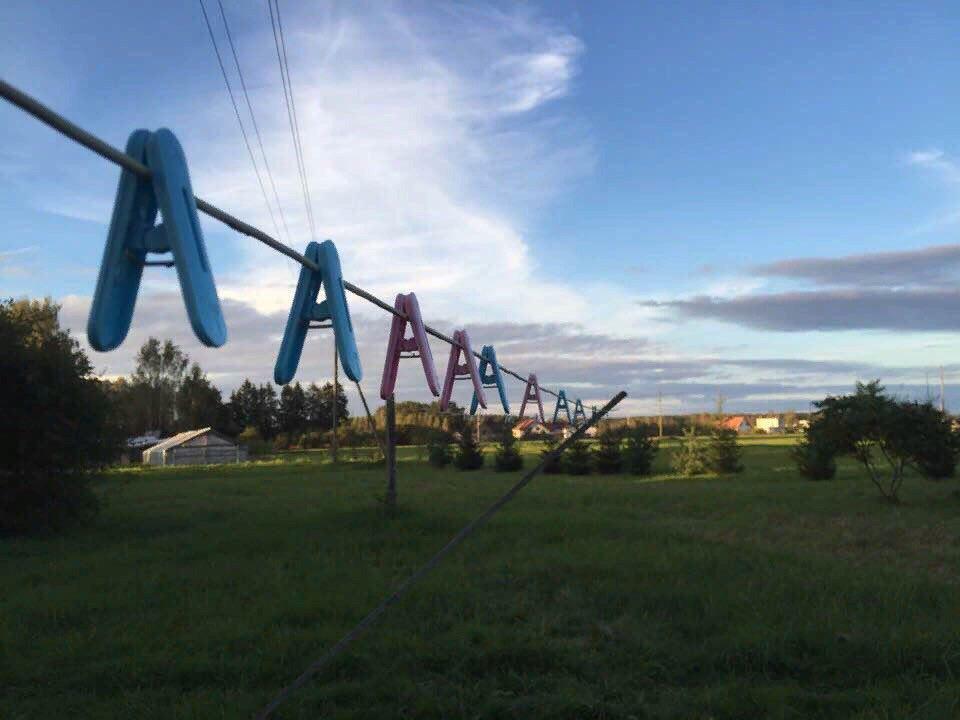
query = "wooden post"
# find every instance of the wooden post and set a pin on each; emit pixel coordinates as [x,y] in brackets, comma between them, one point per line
[391,455]
[333,441]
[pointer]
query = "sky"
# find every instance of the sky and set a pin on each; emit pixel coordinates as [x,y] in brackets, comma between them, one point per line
[759,201]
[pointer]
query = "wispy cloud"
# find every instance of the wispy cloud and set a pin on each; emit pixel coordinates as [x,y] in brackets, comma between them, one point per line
[922,266]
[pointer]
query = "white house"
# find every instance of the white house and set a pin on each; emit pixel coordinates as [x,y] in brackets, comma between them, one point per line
[771,424]
[195,447]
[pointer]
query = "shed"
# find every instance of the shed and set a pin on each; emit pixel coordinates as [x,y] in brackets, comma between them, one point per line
[195,447]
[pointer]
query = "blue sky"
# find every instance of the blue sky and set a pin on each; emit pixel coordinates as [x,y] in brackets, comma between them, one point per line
[755,199]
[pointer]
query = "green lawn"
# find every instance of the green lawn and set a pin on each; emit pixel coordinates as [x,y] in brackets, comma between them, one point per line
[200,593]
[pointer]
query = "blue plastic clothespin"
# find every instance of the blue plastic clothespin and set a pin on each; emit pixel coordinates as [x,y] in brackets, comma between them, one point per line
[490,377]
[134,233]
[305,309]
[579,414]
[561,405]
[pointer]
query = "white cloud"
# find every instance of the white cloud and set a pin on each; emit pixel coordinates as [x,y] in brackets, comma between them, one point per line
[429,145]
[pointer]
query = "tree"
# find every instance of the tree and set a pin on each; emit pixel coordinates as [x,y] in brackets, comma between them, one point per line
[292,412]
[554,463]
[606,454]
[815,457]
[639,452]
[155,381]
[880,432]
[468,455]
[438,449]
[267,405]
[508,458]
[577,460]
[723,452]
[198,402]
[691,457]
[57,426]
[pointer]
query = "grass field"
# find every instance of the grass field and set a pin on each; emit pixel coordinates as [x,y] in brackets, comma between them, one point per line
[200,593]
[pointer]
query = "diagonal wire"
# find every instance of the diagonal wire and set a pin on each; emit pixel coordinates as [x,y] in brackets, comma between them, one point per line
[291,108]
[371,618]
[98,145]
[253,118]
[236,110]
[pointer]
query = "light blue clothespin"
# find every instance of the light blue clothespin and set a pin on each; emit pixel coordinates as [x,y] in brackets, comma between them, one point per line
[133,234]
[491,377]
[561,405]
[579,414]
[305,309]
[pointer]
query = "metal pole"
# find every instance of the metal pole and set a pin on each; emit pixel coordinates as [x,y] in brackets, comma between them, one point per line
[391,499]
[336,398]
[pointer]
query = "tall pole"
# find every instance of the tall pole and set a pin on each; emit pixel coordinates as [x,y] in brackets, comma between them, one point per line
[333,441]
[659,414]
[391,455]
[943,404]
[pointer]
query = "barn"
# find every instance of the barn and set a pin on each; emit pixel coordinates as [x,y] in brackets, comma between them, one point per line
[195,447]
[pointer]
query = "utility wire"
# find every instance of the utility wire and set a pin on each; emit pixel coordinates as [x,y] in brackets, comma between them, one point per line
[291,110]
[58,122]
[293,107]
[253,118]
[236,110]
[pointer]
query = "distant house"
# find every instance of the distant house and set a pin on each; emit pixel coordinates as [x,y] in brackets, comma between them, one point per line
[737,423]
[569,430]
[770,424]
[803,424]
[195,447]
[532,427]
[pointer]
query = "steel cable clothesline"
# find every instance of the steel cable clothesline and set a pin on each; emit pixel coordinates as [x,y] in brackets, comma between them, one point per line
[58,122]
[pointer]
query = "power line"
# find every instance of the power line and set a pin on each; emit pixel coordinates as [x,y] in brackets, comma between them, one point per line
[280,44]
[253,118]
[236,110]
[58,122]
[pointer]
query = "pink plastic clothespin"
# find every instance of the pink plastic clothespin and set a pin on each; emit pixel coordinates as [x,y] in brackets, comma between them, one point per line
[532,392]
[457,370]
[417,345]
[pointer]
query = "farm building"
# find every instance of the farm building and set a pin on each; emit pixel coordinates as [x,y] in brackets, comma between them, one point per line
[770,424]
[195,447]
[737,422]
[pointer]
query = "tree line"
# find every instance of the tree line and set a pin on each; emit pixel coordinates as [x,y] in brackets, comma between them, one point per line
[167,393]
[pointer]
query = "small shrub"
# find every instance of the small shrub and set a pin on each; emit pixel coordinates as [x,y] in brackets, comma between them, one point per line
[639,452]
[554,463]
[577,461]
[607,458]
[438,450]
[723,452]
[691,457]
[508,458]
[468,455]
[815,460]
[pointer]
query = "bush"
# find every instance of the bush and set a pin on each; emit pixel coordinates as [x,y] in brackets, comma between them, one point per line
[577,461]
[554,463]
[438,450]
[606,454]
[723,452]
[508,458]
[255,444]
[468,455]
[815,460]
[640,452]
[884,434]
[57,425]
[691,457]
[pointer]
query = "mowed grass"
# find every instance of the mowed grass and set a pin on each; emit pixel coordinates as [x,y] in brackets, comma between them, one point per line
[200,593]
